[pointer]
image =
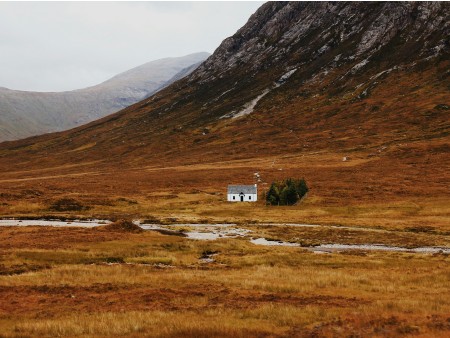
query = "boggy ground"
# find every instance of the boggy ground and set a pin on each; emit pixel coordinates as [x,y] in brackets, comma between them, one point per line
[98,282]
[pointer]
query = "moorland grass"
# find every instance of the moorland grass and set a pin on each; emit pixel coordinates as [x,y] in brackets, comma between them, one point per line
[248,290]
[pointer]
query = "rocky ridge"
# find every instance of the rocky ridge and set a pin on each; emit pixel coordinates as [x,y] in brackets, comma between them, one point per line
[338,40]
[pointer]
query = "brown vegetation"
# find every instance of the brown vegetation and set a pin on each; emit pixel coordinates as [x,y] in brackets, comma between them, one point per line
[169,159]
[380,191]
[152,284]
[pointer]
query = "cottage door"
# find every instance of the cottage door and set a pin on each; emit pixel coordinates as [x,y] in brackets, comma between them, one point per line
[242,197]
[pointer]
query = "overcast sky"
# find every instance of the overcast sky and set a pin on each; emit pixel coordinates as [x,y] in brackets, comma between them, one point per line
[56,46]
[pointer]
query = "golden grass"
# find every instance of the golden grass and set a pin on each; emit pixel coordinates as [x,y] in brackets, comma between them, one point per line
[162,289]
[212,323]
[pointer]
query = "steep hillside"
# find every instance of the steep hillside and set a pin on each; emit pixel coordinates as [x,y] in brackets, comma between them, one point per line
[24,114]
[304,68]
[299,88]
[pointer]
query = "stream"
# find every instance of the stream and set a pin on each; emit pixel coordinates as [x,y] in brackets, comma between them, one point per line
[329,248]
[229,230]
[54,223]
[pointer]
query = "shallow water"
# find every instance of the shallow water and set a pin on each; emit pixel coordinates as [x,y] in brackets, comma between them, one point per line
[226,230]
[206,236]
[340,247]
[381,247]
[54,223]
[263,241]
[216,234]
[197,225]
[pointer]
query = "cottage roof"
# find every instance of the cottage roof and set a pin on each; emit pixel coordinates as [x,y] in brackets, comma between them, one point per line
[245,189]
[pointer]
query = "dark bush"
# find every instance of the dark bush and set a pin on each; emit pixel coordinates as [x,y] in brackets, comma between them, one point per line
[287,192]
[288,195]
[273,195]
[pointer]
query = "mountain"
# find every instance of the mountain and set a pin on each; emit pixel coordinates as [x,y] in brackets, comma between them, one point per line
[330,74]
[353,96]
[24,114]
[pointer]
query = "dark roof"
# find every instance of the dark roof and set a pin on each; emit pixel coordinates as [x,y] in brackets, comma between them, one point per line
[245,189]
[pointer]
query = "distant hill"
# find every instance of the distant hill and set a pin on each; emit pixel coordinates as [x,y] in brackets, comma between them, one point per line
[24,114]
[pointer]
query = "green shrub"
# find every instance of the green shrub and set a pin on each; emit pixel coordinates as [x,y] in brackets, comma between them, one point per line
[273,195]
[287,192]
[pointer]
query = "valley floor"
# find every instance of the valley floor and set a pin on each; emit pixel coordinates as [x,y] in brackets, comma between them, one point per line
[93,282]
[98,282]
[395,189]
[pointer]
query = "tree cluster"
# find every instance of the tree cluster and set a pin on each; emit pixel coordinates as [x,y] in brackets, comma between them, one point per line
[286,192]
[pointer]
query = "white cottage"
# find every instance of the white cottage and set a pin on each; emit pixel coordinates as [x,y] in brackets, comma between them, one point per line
[242,193]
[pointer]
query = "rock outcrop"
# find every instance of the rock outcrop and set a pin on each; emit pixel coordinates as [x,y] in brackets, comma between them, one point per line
[297,34]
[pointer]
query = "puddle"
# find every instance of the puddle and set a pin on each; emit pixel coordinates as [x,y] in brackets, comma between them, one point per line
[216,234]
[54,223]
[207,258]
[321,252]
[263,241]
[206,236]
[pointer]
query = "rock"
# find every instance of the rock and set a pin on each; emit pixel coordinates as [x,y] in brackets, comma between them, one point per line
[314,31]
